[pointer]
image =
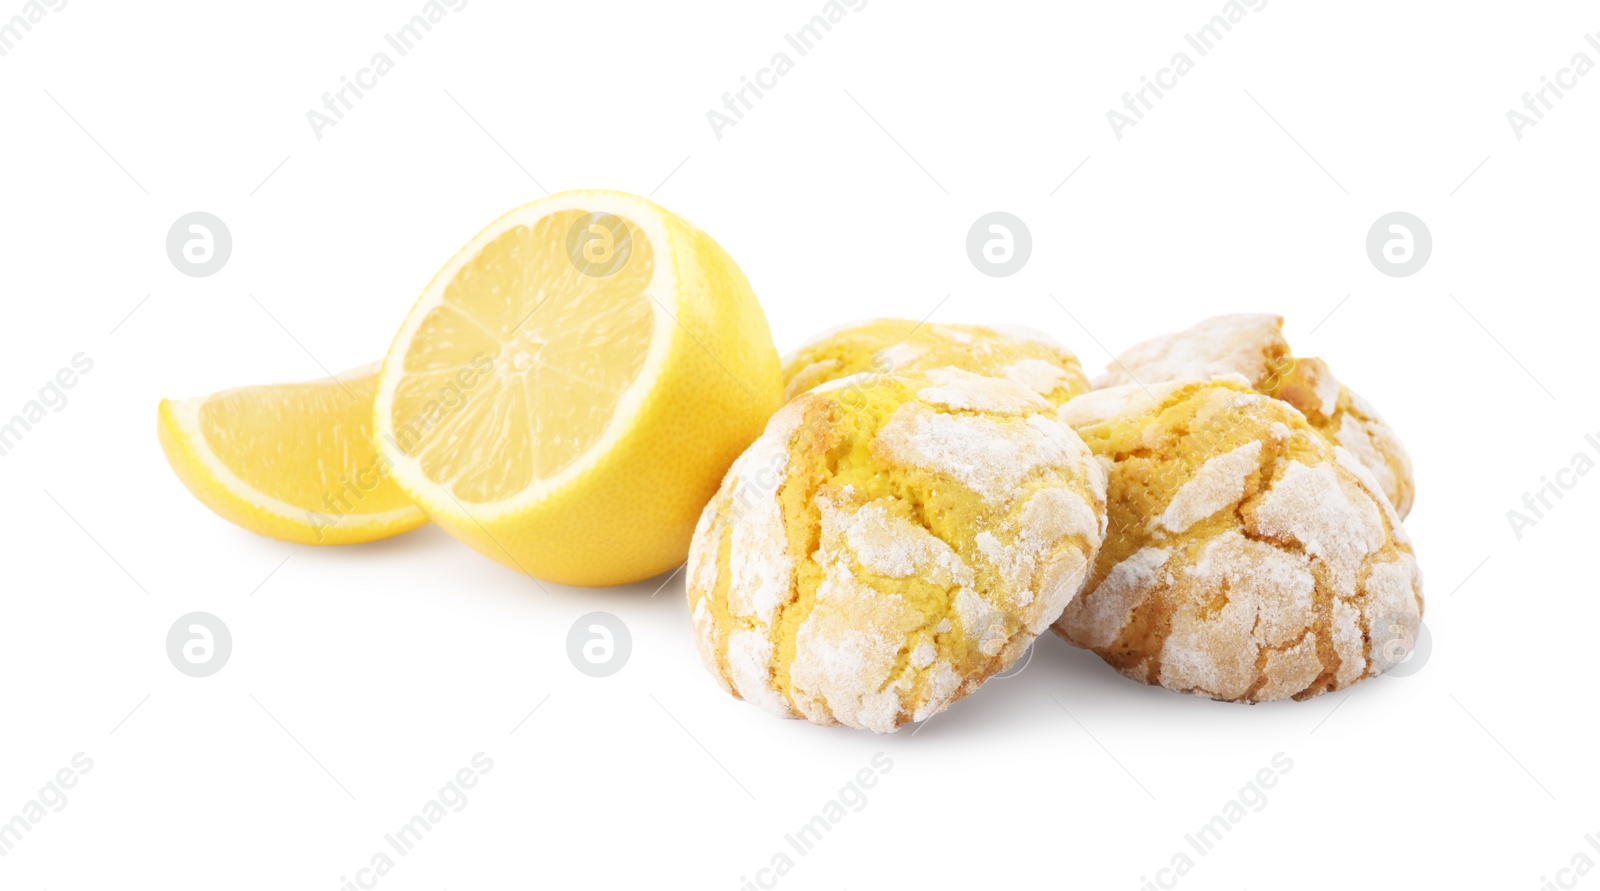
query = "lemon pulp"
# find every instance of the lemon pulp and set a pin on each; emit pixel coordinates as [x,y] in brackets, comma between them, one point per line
[564,346]
[291,461]
[568,391]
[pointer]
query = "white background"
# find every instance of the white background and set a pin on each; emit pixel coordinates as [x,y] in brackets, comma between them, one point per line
[362,678]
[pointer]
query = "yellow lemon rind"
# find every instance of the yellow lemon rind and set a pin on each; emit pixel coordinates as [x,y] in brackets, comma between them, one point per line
[234,500]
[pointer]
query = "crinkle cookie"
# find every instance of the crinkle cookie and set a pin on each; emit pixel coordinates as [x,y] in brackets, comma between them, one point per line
[889,543]
[901,346]
[1252,344]
[1248,558]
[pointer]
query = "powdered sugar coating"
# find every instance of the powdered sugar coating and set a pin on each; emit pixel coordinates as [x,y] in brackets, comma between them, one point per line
[749,654]
[1099,406]
[991,456]
[1309,507]
[1124,589]
[1217,484]
[900,355]
[845,653]
[1023,332]
[1252,345]
[1036,374]
[954,388]
[761,578]
[907,346]
[1045,519]
[1242,343]
[892,546]
[920,537]
[1248,556]
[1326,389]
[1268,603]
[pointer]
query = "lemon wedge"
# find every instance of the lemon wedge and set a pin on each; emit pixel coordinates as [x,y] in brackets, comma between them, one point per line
[290,461]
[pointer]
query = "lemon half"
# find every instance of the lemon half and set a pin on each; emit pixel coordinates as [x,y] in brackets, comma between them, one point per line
[569,390]
[290,461]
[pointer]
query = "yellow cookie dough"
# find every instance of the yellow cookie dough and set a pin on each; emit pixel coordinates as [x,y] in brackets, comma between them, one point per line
[1248,558]
[889,543]
[1252,344]
[901,346]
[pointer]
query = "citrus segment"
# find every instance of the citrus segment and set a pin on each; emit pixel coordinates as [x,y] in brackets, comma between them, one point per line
[290,461]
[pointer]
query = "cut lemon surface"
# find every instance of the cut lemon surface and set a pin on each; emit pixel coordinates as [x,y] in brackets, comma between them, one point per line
[569,390]
[291,461]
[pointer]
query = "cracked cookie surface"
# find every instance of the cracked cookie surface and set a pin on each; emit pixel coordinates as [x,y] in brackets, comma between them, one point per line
[889,543]
[1247,557]
[1252,345]
[904,346]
